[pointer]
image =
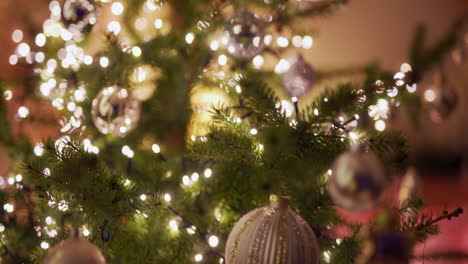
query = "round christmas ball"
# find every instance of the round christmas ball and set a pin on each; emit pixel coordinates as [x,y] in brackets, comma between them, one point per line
[272,234]
[299,78]
[78,14]
[357,181]
[74,251]
[246,32]
[115,111]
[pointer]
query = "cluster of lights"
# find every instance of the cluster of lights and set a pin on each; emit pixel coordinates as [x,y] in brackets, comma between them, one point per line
[17,179]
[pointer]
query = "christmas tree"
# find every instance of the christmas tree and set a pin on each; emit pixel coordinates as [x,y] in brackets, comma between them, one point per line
[185,136]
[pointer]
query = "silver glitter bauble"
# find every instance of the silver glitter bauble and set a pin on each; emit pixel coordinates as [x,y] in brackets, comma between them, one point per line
[273,234]
[115,111]
[77,14]
[74,251]
[246,32]
[299,79]
[357,181]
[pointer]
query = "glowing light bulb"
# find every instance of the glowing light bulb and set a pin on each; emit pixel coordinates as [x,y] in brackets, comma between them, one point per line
[136,51]
[8,95]
[405,67]
[104,62]
[44,245]
[18,178]
[114,27]
[191,230]
[23,112]
[268,40]
[258,61]
[49,220]
[86,232]
[17,36]
[158,23]
[282,42]
[117,8]
[253,131]
[143,197]
[39,57]
[156,148]
[282,66]
[353,136]
[327,256]
[13,59]
[38,150]
[23,49]
[88,60]
[198,257]
[213,241]
[167,197]
[189,38]
[127,151]
[66,35]
[186,180]
[173,225]
[307,42]
[214,45]
[195,176]
[285,107]
[429,95]
[222,59]
[297,41]
[40,40]
[208,173]
[380,125]
[9,208]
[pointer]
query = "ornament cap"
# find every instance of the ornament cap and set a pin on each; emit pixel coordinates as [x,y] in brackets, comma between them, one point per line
[279,202]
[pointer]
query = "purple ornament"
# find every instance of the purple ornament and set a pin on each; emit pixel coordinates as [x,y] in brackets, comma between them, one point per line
[299,79]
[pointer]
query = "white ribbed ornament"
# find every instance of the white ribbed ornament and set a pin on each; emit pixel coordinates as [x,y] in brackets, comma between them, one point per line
[76,250]
[272,234]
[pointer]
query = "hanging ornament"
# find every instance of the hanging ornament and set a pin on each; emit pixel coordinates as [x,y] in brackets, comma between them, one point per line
[115,111]
[78,14]
[299,78]
[357,181]
[272,234]
[74,251]
[385,243]
[246,32]
[441,99]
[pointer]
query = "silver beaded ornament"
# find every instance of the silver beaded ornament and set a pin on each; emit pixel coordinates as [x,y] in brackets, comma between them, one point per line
[246,33]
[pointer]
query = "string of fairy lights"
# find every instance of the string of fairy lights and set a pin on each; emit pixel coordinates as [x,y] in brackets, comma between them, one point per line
[152,22]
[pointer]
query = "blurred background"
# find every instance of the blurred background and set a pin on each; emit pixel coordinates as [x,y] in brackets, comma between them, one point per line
[364,31]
